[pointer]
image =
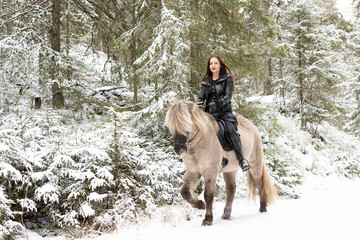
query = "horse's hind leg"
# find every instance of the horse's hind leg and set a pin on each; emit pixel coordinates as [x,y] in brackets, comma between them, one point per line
[229,178]
[258,181]
[191,180]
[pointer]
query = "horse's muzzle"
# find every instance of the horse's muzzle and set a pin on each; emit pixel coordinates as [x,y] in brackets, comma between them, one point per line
[180,145]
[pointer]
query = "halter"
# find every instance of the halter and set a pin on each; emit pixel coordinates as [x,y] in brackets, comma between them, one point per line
[187,142]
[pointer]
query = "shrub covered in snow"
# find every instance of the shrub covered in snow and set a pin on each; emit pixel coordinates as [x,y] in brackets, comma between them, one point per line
[9,229]
[82,175]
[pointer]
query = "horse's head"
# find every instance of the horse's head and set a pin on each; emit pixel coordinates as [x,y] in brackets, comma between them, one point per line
[180,144]
[184,120]
[179,122]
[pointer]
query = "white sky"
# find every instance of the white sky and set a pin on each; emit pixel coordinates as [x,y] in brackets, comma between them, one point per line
[345,8]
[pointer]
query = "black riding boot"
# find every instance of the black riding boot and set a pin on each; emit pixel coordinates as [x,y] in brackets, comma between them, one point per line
[236,142]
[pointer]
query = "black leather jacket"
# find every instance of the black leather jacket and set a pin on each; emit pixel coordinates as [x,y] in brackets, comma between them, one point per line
[224,91]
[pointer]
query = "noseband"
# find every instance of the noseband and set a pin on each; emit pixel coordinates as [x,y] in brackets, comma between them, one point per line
[187,142]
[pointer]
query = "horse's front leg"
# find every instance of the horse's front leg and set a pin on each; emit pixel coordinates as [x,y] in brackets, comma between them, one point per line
[210,183]
[191,180]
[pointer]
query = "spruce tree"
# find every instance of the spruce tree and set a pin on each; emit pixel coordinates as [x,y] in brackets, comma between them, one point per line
[353,54]
[163,63]
[315,77]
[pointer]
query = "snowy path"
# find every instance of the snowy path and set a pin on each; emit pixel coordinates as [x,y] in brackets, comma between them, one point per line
[328,209]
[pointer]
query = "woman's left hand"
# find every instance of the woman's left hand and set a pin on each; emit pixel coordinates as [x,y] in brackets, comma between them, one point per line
[212,107]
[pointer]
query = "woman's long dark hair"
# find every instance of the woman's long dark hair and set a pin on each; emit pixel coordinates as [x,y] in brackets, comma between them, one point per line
[224,69]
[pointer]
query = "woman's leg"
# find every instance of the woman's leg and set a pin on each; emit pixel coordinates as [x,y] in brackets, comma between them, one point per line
[234,137]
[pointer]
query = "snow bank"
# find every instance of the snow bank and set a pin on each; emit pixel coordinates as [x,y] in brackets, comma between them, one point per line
[328,209]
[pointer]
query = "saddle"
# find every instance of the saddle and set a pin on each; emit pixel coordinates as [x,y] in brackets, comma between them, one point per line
[222,136]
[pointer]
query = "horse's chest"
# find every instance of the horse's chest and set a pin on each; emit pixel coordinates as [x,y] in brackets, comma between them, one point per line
[190,159]
[199,161]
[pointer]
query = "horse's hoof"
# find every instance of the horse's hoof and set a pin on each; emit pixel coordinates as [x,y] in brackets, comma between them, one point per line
[206,223]
[227,213]
[207,220]
[200,205]
[225,217]
[263,207]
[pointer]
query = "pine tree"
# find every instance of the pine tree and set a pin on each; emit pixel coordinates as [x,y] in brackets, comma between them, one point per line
[315,75]
[356,4]
[10,179]
[231,29]
[138,18]
[9,229]
[20,41]
[163,63]
[355,123]
[57,95]
[353,43]
[355,115]
[283,51]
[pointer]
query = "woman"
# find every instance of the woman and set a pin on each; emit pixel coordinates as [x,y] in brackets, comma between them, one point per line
[216,92]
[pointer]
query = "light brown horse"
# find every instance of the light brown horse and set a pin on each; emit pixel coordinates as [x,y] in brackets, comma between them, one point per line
[195,140]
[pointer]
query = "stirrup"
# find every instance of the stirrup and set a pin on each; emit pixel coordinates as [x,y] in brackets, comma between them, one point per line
[245,165]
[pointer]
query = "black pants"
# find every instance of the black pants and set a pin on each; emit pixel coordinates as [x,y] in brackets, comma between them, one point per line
[229,119]
[230,127]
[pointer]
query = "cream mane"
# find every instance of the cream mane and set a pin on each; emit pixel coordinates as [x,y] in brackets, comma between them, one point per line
[184,117]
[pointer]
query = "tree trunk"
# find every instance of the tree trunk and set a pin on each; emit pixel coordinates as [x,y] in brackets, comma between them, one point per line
[133,56]
[8,27]
[282,89]
[58,99]
[68,68]
[268,85]
[42,50]
[156,90]
[37,102]
[134,69]
[194,50]
[116,158]
[300,80]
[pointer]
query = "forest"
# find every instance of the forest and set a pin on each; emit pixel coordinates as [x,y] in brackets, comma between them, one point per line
[84,85]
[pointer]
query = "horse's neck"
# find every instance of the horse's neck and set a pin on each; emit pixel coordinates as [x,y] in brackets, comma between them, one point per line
[208,130]
[214,125]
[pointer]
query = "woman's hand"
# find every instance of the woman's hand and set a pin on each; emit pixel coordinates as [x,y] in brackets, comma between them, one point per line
[212,107]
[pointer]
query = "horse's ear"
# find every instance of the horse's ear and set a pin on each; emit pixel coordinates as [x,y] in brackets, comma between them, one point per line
[168,104]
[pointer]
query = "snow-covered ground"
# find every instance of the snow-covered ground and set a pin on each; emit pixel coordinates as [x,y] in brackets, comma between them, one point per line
[328,208]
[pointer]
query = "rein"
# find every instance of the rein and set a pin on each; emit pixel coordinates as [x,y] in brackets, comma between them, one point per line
[188,142]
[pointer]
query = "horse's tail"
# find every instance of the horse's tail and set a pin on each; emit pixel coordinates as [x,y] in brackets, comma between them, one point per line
[251,186]
[268,190]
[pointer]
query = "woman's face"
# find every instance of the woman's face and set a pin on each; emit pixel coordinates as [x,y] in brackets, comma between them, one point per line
[214,65]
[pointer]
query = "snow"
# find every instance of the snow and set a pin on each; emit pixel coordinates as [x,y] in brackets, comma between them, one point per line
[94,196]
[8,169]
[28,204]
[268,100]
[48,193]
[87,210]
[327,209]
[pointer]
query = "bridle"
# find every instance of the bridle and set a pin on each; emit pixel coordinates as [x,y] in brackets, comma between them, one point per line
[188,141]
